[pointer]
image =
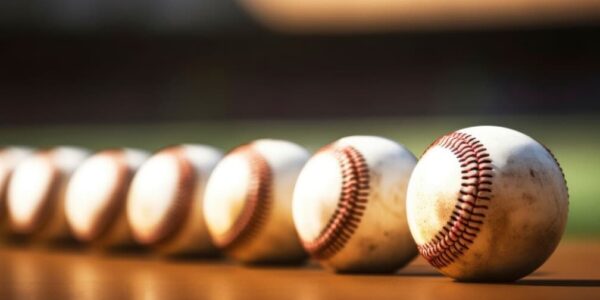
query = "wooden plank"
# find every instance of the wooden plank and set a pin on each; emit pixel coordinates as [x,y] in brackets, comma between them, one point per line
[573,272]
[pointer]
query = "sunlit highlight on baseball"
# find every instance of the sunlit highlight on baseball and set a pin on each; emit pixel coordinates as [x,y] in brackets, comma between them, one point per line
[487,204]
[349,205]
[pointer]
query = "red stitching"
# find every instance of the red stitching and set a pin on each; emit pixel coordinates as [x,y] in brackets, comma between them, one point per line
[178,213]
[116,200]
[559,168]
[351,205]
[258,201]
[469,212]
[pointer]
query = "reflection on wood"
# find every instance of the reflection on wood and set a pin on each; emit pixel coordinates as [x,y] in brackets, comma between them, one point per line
[72,274]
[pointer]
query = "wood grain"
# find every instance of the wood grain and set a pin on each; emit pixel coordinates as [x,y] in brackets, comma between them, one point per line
[573,272]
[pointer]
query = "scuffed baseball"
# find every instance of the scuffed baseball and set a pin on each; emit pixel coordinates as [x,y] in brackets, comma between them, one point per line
[96,194]
[164,204]
[248,202]
[487,203]
[36,192]
[349,205]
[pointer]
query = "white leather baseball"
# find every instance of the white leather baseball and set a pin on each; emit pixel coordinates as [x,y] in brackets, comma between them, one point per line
[36,192]
[349,205]
[487,203]
[164,204]
[10,157]
[96,194]
[248,202]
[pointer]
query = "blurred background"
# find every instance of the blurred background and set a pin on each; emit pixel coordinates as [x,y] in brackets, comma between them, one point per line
[107,73]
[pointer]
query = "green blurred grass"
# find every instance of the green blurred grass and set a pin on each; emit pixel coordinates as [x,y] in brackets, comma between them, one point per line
[573,139]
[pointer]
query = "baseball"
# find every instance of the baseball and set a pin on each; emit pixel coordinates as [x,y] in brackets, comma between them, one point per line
[487,203]
[349,205]
[248,205]
[95,197]
[36,193]
[164,204]
[10,157]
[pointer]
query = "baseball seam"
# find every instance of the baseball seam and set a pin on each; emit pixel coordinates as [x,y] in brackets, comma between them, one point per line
[177,213]
[115,200]
[559,168]
[256,205]
[469,212]
[350,207]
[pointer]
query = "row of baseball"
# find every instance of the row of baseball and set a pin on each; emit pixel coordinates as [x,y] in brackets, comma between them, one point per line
[482,204]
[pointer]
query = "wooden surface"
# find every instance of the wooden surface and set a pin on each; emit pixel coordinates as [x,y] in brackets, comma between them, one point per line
[573,272]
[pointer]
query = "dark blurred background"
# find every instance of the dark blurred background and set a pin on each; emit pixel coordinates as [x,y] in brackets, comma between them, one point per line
[95,61]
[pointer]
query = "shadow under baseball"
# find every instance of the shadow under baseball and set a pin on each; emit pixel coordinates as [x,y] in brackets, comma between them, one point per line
[418,270]
[408,271]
